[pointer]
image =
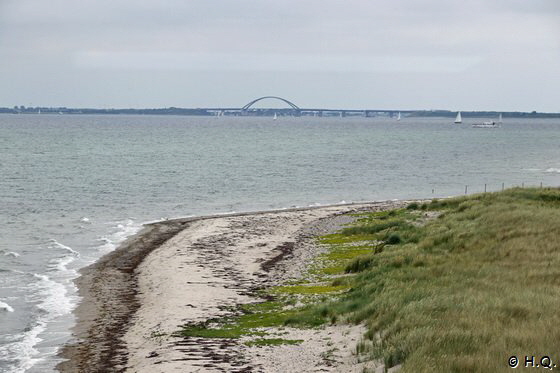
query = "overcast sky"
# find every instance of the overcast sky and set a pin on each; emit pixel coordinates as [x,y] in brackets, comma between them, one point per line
[397,54]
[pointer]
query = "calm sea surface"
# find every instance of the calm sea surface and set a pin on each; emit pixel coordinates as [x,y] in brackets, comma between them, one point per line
[73,187]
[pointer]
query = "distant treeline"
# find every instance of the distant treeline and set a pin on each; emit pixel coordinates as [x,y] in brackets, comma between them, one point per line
[268,112]
[482,114]
[65,110]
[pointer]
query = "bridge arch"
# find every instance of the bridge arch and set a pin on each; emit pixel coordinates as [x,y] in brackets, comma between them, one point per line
[248,106]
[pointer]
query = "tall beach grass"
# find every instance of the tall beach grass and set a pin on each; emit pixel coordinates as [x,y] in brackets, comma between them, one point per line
[455,285]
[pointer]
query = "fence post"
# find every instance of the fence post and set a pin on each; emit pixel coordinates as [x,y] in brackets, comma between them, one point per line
[466,189]
[541,184]
[502,186]
[484,188]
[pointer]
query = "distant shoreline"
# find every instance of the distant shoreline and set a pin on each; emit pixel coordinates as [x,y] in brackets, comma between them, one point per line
[326,112]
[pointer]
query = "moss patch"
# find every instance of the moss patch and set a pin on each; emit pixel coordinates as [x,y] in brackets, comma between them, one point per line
[308,290]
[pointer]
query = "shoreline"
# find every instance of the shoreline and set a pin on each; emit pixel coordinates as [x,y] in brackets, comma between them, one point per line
[107,288]
[258,248]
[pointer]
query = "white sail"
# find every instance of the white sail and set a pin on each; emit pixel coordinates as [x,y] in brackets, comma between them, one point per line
[275,116]
[399,116]
[458,119]
[500,118]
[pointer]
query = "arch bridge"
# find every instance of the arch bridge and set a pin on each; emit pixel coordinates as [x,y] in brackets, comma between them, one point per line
[293,106]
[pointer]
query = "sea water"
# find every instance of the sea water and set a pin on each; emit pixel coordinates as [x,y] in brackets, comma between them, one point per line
[73,187]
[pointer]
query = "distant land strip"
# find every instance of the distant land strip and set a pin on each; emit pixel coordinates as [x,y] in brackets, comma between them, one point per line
[272,111]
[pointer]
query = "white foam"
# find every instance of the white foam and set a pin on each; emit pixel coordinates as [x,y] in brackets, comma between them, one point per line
[52,295]
[11,253]
[59,264]
[125,229]
[121,231]
[52,302]
[84,220]
[21,351]
[552,169]
[54,244]
[5,307]
[225,213]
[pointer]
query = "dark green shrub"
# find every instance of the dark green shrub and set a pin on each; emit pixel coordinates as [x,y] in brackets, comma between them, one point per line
[360,264]
[413,206]
[373,228]
[393,239]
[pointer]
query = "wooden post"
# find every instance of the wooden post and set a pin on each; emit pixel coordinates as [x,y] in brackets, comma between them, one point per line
[541,184]
[484,188]
[502,186]
[466,189]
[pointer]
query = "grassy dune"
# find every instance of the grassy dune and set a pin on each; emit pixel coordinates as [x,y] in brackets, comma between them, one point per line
[455,285]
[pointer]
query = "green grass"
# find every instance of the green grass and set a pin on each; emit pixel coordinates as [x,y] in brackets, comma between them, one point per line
[461,293]
[374,227]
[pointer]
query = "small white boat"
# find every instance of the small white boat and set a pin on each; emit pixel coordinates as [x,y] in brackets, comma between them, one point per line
[399,116]
[487,124]
[458,119]
[275,116]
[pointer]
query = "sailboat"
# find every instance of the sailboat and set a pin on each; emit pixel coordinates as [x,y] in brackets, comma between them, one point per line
[399,116]
[275,116]
[500,121]
[458,119]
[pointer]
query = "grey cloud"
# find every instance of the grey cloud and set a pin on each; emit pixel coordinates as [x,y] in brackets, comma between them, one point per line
[414,42]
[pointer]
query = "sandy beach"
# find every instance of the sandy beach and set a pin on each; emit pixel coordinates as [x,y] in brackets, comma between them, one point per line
[135,299]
